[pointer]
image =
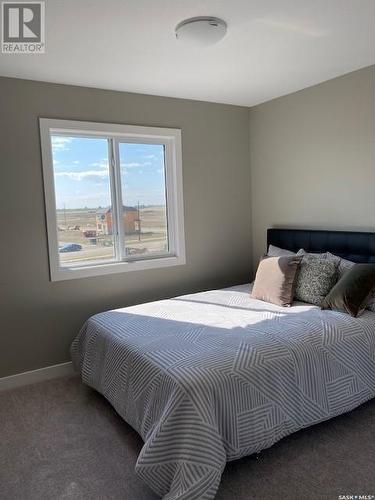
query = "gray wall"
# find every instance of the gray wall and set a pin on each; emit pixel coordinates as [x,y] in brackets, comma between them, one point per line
[313,158]
[40,318]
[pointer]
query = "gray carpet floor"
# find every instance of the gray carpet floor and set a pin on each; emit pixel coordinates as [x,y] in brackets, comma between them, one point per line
[62,440]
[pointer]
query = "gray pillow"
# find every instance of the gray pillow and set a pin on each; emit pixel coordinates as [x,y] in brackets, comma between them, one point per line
[371,305]
[274,251]
[353,291]
[315,279]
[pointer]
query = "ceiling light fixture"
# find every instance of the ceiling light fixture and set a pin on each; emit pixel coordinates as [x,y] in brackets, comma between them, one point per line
[201,31]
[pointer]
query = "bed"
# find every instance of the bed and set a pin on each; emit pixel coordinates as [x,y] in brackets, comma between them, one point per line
[214,376]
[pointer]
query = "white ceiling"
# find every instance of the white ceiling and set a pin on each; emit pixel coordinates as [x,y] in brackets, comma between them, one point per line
[272,47]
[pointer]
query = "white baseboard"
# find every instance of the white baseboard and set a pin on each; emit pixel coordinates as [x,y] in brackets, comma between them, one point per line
[26,378]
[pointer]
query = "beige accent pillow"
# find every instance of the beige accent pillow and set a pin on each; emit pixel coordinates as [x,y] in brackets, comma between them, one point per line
[275,279]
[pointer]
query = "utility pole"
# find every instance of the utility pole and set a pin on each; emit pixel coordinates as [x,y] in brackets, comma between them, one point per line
[64,216]
[139,223]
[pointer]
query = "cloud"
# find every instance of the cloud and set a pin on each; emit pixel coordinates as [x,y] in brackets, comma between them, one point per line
[135,164]
[60,142]
[131,165]
[102,163]
[88,174]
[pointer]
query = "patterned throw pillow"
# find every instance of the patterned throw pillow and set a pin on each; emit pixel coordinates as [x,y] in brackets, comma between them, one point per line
[325,256]
[302,251]
[315,279]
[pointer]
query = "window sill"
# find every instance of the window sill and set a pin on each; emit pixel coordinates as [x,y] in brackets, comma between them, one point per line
[68,273]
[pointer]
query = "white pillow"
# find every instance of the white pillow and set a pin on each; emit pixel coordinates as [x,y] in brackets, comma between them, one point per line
[344,264]
[278,252]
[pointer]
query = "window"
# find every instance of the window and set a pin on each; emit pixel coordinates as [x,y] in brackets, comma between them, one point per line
[113,197]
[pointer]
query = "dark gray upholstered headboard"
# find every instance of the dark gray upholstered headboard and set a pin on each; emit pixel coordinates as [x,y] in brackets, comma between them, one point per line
[354,246]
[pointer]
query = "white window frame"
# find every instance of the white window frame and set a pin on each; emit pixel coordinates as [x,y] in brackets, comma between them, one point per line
[115,133]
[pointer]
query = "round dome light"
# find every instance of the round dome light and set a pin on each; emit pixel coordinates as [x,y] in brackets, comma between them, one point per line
[201,31]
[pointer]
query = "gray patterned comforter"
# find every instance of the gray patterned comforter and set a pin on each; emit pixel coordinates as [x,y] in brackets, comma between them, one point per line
[212,377]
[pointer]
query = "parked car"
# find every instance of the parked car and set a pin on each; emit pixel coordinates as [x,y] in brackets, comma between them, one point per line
[70,247]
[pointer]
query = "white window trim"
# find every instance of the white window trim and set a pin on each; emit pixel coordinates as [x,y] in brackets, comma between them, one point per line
[171,138]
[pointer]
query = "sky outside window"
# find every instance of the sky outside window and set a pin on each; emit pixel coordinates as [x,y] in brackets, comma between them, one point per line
[82,175]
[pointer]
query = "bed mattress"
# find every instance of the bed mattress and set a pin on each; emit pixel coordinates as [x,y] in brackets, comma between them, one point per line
[214,376]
